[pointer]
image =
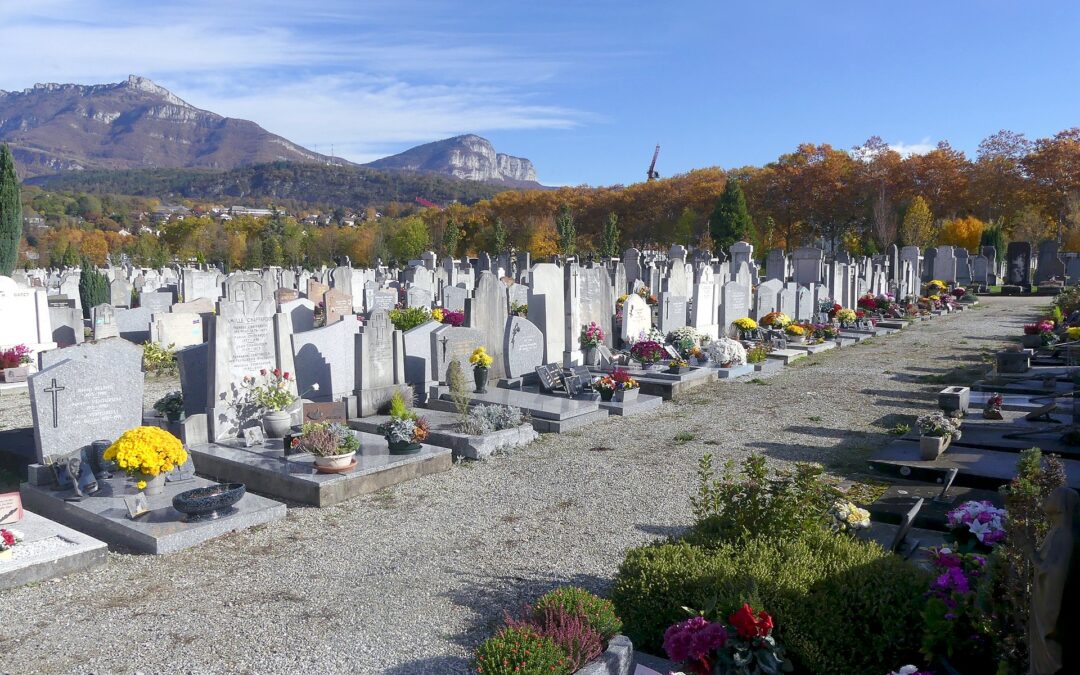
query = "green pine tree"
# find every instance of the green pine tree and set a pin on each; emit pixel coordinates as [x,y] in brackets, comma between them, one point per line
[451,237]
[994,235]
[730,221]
[93,287]
[564,225]
[10,213]
[499,237]
[610,242]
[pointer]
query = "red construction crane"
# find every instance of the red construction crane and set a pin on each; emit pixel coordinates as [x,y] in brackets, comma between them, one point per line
[652,173]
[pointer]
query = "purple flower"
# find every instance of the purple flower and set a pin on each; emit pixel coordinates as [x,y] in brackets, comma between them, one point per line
[692,639]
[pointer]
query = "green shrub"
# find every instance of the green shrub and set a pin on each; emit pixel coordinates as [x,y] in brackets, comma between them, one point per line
[757,354]
[159,360]
[599,612]
[522,651]
[840,605]
[409,317]
[748,502]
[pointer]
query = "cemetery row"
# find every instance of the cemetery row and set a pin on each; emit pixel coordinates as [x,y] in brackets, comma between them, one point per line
[318,387]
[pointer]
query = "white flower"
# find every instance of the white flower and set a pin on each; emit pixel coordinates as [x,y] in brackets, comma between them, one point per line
[315,386]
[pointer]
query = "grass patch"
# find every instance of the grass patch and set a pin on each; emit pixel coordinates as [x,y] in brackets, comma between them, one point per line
[756,380]
[814,418]
[900,429]
[684,437]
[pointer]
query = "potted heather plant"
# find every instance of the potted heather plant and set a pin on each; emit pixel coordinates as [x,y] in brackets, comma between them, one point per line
[333,445]
[936,432]
[171,406]
[405,431]
[592,336]
[14,363]
[481,361]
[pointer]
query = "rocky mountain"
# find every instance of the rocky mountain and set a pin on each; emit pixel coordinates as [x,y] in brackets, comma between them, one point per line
[54,128]
[470,157]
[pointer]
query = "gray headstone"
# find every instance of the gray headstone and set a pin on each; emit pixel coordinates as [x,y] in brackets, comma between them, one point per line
[134,324]
[301,313]
[326,357]
[523,348]
[487,311]
[155,301]
[1049,264]
[1018,264]
[103,322]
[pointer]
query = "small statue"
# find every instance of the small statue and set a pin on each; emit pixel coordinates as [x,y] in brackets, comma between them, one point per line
[1052,613]
[992,409]
[74,468]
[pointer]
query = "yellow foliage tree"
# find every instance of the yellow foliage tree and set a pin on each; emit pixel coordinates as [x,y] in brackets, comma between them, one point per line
[962,232]
[544,241]
[918,226]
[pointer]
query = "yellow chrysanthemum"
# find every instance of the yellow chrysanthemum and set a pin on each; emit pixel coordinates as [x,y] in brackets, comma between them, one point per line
[141,485]
[147,450]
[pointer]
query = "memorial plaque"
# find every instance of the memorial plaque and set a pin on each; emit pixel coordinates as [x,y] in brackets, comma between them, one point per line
[338,305]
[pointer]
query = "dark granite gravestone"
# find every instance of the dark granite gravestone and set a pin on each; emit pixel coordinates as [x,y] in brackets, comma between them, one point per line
[1018,264]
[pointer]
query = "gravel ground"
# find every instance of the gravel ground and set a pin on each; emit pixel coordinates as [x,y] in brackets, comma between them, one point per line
[409,579]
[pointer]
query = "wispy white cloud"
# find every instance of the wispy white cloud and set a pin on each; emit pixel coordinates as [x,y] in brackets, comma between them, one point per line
[907,149]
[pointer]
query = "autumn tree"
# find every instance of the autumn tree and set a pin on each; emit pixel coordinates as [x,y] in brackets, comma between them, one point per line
[498,237]
[730,221]
[567,231]
[1054,169]
[609,246]
[409,239]
[963,232]
[11,220]
[917,228]
[998,184]
[451,237]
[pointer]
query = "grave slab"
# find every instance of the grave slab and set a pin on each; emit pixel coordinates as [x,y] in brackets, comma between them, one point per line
[104,515]
[642,404]
[49,550]
[769,366]
[786,356]
[444,434]
[735,371]
[265,469]
[898,500]
[987,469]
[813,349]
[550,414]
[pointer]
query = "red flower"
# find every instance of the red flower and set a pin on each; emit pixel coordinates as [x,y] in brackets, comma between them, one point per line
[747,625]
[277,372]
[263,372]
[9,538]
[286,375]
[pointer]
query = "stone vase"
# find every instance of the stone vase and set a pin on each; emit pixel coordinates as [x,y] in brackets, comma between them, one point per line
[592,356]
[606,394]
[931,447]
[276,423]
[480,375]
[155,485]
[625,395]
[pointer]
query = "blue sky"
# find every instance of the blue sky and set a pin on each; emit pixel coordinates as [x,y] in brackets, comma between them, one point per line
[584,89]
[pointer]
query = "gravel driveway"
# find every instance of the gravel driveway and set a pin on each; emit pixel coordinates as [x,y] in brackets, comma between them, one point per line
[409,579]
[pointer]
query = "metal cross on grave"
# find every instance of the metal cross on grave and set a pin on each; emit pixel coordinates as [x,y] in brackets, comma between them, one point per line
[444,340]
[54,389]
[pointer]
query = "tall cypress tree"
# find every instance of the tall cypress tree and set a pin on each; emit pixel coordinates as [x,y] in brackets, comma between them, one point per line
[564,225]
[10,213]
[730,221]
[93,287]
[610,242]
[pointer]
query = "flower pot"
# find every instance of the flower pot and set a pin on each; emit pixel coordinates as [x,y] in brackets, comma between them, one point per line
[208,503]
[480,375]
[931,447]
[1031,341]
[175,416]
[402,448]
[625,395]
[276,423]
[606,394]
[154,484]
[796,339]
[676,370]
[335,462]
[592,356]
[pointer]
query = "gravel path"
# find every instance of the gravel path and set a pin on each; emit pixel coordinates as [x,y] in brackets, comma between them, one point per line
[409,579]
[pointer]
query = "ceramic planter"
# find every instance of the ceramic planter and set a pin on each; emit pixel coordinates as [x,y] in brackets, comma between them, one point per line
[335,462]
[606,394]
[592,356]
[796,339]
[677,370]
[402,448]
[175,416]
[931,447]
[1031,341]
[625,395]
[480,375]
[276,423]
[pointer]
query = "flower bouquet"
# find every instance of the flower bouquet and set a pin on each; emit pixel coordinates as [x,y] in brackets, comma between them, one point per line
[480,361]
[9,539]
[1040,334]
[333,445]
[846,316]
[676,366]
[824,331]
[273,393]
[848,518]
[867,302]
[777,320]
[592,336]
[727,353]
[744,645]
[147,453]
[795,332]
[685,339]
[451,317]
[405,430]
[746,326]
[171,406]
[976,526]
[647,352]
[14,362]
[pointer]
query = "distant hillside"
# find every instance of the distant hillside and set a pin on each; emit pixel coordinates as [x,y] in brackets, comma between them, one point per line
[470,157]
[279,182]
[55,128]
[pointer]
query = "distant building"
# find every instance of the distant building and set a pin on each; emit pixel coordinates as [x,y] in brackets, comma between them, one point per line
[245,211]
[34,221]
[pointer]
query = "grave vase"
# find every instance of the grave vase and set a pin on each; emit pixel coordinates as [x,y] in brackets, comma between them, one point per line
[480,375]
[154,484]
[335,462]
[592,356]
[606,394]
[931,447]
[276,423]
[625,395]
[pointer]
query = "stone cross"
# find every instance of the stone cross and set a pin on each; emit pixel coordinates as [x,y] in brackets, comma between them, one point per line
[54,390]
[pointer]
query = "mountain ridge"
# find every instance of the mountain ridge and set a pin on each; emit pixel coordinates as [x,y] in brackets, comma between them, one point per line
[467,156]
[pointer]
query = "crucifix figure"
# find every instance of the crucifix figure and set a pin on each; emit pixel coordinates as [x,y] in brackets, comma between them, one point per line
[444,340]
[54,390]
